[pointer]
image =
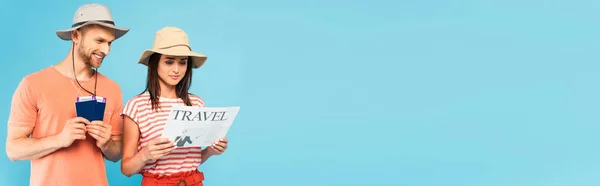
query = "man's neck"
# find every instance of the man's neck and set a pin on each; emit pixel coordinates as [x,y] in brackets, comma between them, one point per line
[83,71]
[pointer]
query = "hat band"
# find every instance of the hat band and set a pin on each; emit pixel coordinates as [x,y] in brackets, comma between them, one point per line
[83,22]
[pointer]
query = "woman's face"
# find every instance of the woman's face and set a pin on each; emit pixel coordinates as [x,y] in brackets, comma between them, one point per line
[171,69]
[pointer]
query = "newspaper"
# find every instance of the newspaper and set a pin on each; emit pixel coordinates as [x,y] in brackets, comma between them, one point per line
[190,126]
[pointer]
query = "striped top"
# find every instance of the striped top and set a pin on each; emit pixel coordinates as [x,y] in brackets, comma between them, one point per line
[151,124]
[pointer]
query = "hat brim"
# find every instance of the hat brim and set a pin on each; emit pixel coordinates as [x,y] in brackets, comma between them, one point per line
[66,34]
[197,58]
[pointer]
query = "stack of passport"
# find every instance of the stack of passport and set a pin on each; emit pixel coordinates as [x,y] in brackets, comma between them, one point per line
[91,107]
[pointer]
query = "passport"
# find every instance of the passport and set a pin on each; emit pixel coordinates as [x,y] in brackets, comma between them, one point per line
[90,107]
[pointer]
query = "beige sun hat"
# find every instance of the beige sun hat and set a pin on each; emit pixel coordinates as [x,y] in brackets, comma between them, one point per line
[173,41]
[92,14]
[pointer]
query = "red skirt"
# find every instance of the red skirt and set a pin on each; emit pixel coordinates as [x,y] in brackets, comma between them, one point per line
[191,178]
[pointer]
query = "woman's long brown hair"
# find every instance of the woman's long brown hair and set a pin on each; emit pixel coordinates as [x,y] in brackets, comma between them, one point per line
[153,84]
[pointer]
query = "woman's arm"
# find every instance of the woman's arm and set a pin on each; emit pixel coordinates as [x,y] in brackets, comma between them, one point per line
[132,161]
[217,148]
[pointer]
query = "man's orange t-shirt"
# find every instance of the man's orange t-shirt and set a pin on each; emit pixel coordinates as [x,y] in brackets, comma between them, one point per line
[45,100]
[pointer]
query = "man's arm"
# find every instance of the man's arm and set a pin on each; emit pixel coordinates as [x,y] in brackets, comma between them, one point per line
[112,151]
[21,122]
[20,147]
[109,135]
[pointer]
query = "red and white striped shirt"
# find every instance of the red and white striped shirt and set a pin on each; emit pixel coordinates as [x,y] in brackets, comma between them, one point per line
[151,124]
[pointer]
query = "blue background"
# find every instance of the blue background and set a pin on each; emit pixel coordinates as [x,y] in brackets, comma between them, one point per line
[444,93]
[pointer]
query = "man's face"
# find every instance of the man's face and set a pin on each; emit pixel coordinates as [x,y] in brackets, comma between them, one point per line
[94,45]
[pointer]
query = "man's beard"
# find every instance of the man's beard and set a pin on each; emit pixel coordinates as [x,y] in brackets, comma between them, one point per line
[86,57]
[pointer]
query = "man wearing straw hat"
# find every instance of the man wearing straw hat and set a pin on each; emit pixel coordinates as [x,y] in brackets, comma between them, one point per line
[43,125]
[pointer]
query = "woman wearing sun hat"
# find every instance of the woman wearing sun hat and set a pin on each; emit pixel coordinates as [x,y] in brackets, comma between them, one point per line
[170,63]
